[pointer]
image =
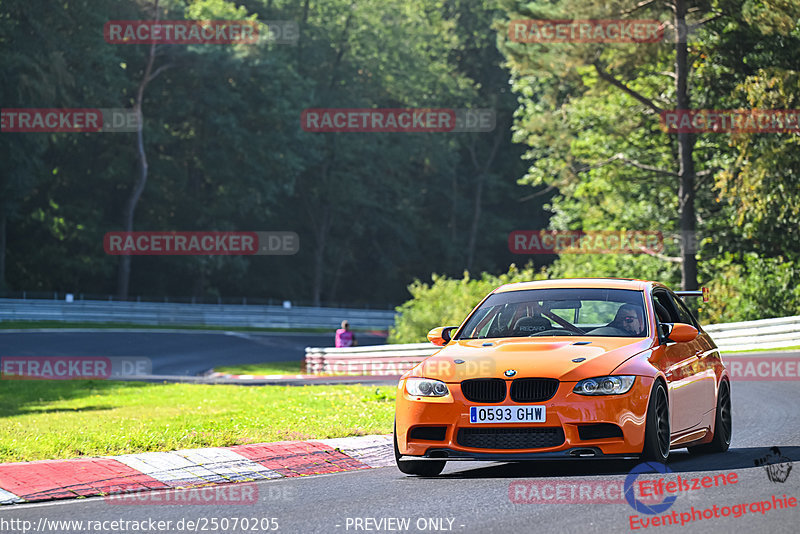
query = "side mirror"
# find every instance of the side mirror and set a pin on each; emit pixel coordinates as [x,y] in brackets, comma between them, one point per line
[682,332]
[441,335]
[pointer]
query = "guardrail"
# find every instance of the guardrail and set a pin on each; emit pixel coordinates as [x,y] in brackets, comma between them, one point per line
[396,359]
[368,360]
[173,314]
[762,334]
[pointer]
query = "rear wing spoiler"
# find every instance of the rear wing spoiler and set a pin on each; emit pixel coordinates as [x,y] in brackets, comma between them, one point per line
[702,293]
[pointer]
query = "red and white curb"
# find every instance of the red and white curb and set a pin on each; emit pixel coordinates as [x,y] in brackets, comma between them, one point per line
[63,479]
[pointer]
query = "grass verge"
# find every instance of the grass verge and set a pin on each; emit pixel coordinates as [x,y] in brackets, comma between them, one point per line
[277,368]
[53,420]
[294,367]
[759,350]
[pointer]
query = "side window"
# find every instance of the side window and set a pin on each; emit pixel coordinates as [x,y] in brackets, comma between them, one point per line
[684,314]
[665,308]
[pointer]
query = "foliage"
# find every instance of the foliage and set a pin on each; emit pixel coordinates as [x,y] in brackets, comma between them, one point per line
[753,287]
[741,289]
[375,211]
[611,166]
[447,301]
[642,267]
[226,151]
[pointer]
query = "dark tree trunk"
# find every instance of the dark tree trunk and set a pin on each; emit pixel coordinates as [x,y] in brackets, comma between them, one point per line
[124,273]
[337,276]
[451,250]
[321,218]
[686,141]
[482,171]
[476,215]
[319,255]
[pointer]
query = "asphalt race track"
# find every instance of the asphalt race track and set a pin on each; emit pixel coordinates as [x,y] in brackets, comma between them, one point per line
[475,497]
[186,353]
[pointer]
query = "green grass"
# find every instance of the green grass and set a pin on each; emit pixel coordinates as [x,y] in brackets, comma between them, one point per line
[28,325]
[272,368]
[269,368]
[68,419]
[760,350]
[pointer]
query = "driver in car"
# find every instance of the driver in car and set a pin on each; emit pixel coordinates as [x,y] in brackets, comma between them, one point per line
[627,322]
[629,319]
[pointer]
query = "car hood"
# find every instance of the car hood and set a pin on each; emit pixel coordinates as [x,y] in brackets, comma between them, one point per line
[544,358]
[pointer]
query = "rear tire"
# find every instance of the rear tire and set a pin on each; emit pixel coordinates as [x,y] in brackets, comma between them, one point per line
[422,468]
[657,429]
[723,424]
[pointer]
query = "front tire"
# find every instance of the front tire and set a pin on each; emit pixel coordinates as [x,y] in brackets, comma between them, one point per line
[723,424]
[657,429]
[422,468]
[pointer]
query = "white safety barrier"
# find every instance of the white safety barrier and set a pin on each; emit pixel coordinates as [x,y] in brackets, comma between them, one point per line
[177,314]
[369,360]
[396,359]
[762,334]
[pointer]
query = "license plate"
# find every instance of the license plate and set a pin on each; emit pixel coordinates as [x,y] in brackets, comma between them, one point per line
[507,414]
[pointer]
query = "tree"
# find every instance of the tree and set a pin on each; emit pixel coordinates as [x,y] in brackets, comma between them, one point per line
[147,76]
[39,72]
[637,71]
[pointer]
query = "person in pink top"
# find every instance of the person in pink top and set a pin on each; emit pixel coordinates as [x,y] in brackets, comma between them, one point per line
[344,337]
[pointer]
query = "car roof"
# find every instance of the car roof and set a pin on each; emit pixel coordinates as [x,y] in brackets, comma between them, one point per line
[586,283]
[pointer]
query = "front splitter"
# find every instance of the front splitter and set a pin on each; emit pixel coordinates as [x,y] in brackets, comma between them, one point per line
[575,453]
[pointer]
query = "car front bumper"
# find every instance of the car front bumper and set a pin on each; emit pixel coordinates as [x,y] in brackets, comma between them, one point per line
[566,413]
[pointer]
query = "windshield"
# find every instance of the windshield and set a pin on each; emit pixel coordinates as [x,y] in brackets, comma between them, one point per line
[559,312]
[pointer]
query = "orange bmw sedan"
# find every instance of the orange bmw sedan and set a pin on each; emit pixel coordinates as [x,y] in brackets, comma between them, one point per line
[578,368]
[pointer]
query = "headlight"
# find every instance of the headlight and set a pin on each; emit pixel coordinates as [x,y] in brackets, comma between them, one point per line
[425,387]
[604,385]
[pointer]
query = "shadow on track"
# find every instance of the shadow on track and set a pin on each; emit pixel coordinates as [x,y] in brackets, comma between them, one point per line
[679,462]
